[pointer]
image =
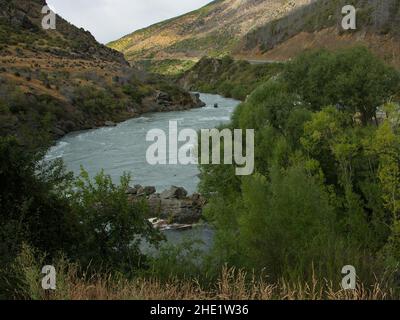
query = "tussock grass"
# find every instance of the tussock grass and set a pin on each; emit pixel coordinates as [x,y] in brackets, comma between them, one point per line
[73,283]
[232,285]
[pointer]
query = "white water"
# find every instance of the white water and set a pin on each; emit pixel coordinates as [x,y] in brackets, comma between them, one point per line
[123,148]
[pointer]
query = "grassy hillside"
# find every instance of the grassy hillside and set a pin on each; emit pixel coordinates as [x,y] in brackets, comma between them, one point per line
[273,30]
[228,77]
[167,67]
[319,26]
[214,30]
[61,80]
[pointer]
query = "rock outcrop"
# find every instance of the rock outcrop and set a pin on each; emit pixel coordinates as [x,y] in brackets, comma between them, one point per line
[164,102]
[173,205]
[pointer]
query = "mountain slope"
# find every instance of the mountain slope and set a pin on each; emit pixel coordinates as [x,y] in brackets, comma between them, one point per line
[262,29]
[212,30]
[21,21]
[318,25]
[61,80]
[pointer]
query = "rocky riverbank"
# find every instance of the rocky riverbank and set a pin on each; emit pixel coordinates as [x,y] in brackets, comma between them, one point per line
[174,205]
[159,101]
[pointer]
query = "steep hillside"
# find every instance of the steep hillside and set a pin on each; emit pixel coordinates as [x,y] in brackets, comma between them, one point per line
[213,30]
[319,26]
[262,29]
[61,80]
[21,24]
[230,78]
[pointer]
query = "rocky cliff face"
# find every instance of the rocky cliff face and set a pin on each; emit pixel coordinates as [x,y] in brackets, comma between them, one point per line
[57,81]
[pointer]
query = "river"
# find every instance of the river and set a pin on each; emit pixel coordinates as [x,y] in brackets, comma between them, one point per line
[123,149]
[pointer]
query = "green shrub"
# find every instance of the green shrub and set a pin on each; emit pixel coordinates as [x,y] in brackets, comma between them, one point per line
[112,226]
[90,221]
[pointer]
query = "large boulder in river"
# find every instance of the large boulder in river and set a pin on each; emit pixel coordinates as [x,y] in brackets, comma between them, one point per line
[196,99]
[140,191]
[172,205]
[134,190]
[146,191]
[182,211]
[174,193]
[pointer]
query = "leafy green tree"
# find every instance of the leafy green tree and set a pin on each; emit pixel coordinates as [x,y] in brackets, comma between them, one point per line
[287,224]
[31,207]
[270,104]
[352,79]
[387,145]
[340,149]
[320,133]
[112,226]
[294,126]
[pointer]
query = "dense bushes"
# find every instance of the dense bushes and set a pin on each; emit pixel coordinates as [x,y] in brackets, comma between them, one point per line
[326,189]
[137,91]
[95,102]
[353,79]
[92,223]
[30,208]
[25,113]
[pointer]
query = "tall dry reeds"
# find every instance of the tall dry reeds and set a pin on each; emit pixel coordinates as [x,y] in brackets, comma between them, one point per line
[232,285]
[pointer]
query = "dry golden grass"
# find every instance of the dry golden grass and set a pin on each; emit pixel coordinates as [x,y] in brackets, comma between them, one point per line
[231,285]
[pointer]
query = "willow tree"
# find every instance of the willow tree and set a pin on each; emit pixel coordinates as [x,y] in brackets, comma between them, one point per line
[352,79]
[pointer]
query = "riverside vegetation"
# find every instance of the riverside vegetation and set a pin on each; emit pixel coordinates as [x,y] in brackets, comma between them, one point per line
[325,194]
[326,189]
